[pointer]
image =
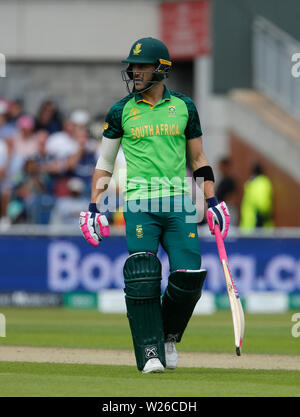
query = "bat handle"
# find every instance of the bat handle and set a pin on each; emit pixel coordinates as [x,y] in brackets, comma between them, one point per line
[220,244]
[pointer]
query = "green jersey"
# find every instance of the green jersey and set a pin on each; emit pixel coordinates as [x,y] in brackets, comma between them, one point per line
[153,140]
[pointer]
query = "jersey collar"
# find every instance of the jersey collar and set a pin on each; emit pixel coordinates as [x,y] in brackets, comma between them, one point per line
[166,97]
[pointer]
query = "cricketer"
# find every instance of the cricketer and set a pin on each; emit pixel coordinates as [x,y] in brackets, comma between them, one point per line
[157,129]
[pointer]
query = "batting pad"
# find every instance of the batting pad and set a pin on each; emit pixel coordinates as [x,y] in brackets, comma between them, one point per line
[142,273]
[180,298]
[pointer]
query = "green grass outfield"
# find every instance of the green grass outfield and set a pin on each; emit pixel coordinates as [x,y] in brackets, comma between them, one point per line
[266,334]
[91,329]
[42,379]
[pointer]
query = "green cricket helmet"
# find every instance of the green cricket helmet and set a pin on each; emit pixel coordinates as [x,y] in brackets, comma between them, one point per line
[147,51]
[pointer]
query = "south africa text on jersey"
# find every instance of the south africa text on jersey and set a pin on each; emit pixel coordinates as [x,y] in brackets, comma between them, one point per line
[163,129]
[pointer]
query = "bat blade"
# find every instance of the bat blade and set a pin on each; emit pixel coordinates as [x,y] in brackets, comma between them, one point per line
[233,295]
[236,308]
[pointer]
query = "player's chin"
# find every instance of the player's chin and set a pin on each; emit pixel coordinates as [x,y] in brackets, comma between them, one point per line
[139,85]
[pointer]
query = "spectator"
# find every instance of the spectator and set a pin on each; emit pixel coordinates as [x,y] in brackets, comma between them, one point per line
[16,209]
[46,158]
[67,208]
[24,140]
[47,164]
[19,145]
[61,148]
[85,162]
[3,169]
[66,150]
[41,139]
[61,145]
[48,118]
[3,159]
[12,165]
[257,202]
[227,189]
[16,110]
[30,201]
[6,129]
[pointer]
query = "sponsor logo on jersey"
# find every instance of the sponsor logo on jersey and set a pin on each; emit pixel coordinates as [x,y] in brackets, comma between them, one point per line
[172,111]
[139,231]
[134,113]
[137,49]
[192,234]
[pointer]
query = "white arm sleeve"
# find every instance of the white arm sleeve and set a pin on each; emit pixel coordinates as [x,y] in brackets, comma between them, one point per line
[108,153]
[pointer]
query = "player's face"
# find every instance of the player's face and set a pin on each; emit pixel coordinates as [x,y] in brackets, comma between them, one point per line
[142,74]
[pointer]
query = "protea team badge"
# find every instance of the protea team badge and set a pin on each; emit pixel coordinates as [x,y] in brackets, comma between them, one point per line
[137,49]
[172,111]
[139,231]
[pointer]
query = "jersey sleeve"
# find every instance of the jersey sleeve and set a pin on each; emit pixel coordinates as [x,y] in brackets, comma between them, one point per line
[113,123]
[193,127]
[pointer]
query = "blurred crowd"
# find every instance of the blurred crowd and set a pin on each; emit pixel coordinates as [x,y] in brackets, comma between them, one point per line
[46,163]
[250,203]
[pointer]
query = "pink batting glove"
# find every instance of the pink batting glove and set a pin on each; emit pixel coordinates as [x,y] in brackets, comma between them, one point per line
[93,226]
[218,214]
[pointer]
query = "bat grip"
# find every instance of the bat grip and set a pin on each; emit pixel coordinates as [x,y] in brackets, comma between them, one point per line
[220,244]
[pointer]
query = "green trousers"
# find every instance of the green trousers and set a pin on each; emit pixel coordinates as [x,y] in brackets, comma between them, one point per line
[170,221]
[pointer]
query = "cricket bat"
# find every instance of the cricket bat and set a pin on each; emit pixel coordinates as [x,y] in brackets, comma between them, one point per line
[233,295]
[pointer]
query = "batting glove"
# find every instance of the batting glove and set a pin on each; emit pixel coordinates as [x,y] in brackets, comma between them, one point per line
[93,225]
[218,214]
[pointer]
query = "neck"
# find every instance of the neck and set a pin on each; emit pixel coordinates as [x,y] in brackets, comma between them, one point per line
[155,93]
